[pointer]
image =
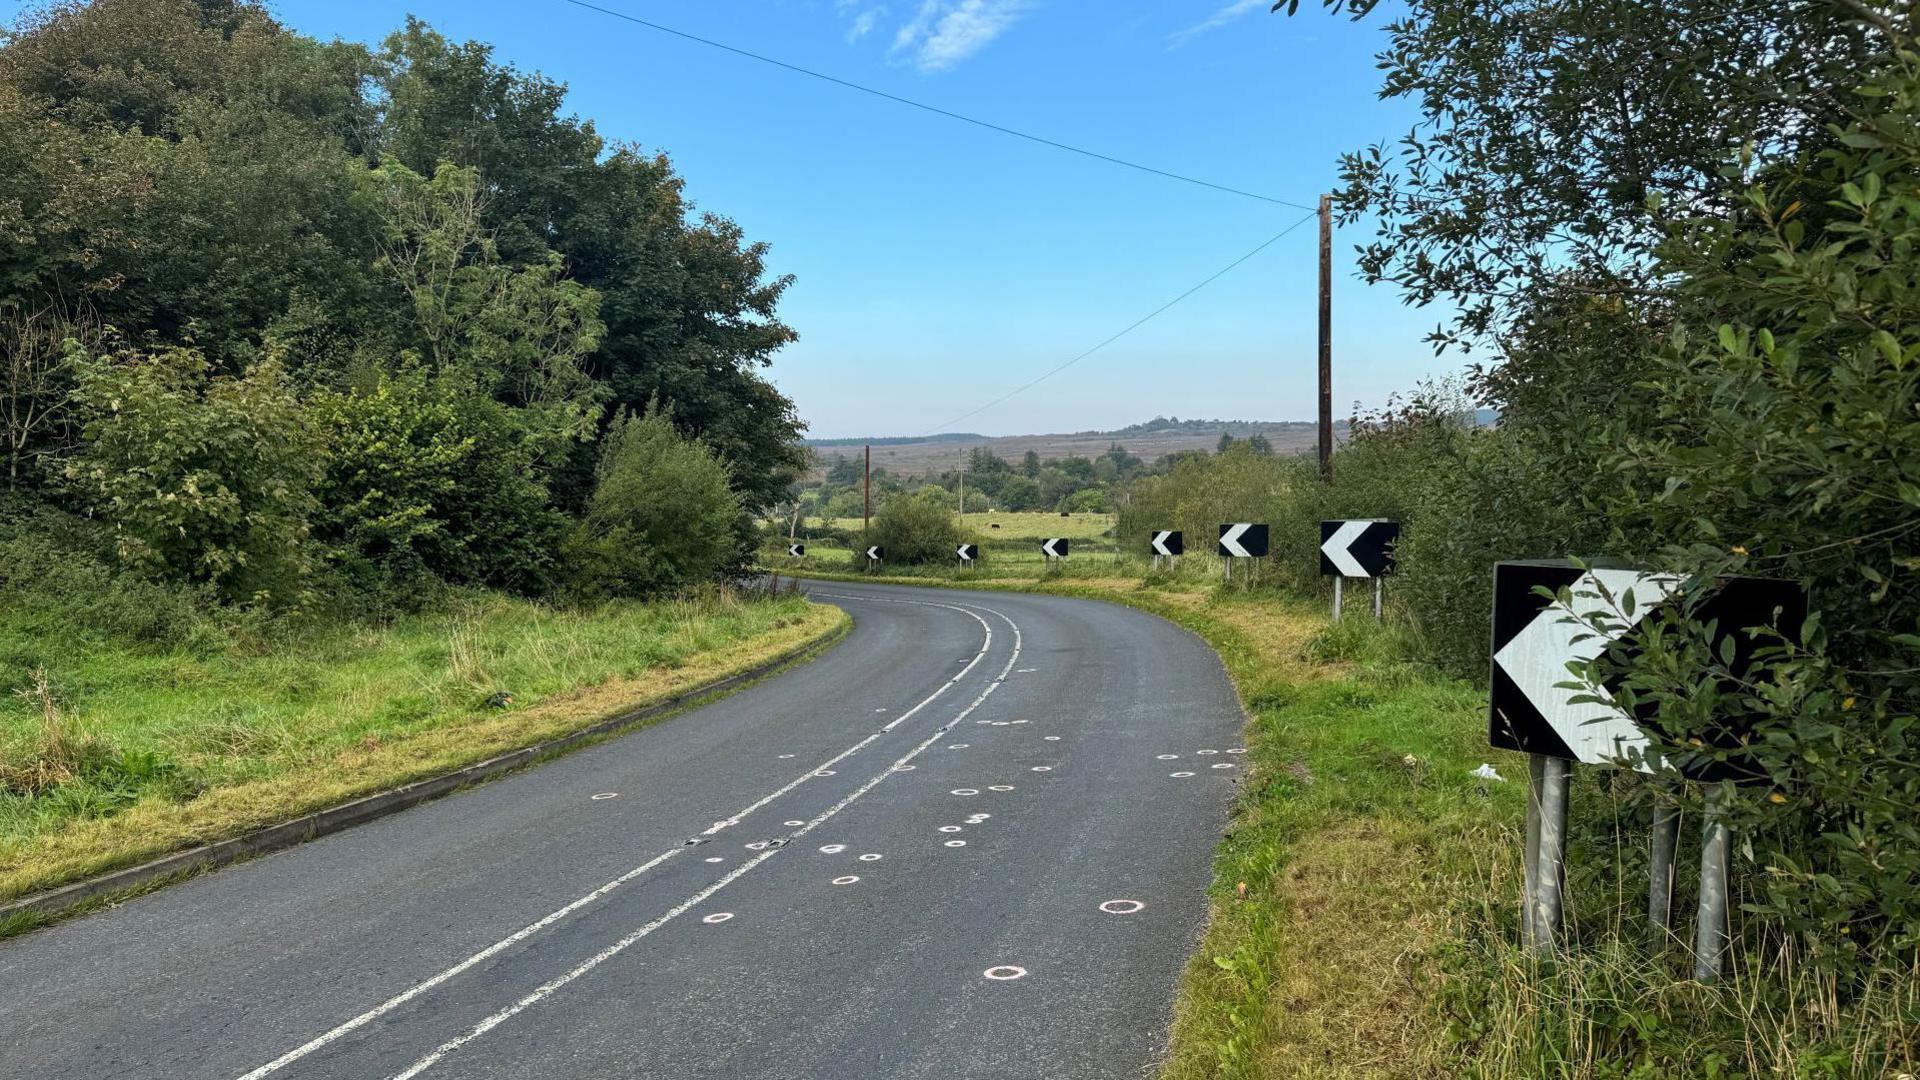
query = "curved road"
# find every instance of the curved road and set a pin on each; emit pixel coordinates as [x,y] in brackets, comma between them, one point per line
[953,846]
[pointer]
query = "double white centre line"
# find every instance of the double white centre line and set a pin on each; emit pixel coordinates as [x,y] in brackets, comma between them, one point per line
[548,988]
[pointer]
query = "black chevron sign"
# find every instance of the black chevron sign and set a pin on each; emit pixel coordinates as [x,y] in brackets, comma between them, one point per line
[1534,639]
[1054,547]
[967,552]
[1243,540]
[796,550]
[1168,542]
[876,553]
[1359,549]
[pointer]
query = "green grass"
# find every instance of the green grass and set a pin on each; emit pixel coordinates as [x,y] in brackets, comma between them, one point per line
[112,753]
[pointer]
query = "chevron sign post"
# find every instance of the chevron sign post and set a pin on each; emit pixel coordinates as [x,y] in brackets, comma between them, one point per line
[1361,548]
[1054,547]
[1241,540]
[967,553]
[797,550]
[875,556]
[1535,706]
[1166,544]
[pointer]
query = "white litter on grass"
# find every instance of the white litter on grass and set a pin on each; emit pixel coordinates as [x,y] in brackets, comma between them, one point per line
[1486,772]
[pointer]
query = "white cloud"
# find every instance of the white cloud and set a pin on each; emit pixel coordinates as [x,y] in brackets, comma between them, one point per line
[1219,19]
[942,33]
[862,17]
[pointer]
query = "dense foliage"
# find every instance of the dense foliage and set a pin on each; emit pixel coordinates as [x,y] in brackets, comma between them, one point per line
[661,513]
[275,309]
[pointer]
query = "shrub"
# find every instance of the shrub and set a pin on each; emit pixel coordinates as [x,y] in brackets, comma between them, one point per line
[919,528]
[427,478]
[203,477]
[663,515]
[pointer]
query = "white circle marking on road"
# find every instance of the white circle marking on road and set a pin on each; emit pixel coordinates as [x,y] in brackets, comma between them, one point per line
[717,917]
[1179,774]
[1165,757]
[871,857]
[1121,907]
[1041,768]
[956,843]
[846,880]
[606,795]
[1206,751]
[715,858]
[1224,765]
[1236,750]
[950,828]
[756,845]
[832,849]
[792,824]
[964,791]
[1004,973]
[824,772]
[1051,738]
[999,787]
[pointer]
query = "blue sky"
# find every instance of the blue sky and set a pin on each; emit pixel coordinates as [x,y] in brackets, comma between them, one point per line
[937,265]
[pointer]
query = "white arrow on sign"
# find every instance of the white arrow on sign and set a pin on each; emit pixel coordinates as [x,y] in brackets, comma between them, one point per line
[1336,548]
[965,551]
[1052,551]
[1160,542]
[1231,540]
[1537,658]
[796,550]
[873,553]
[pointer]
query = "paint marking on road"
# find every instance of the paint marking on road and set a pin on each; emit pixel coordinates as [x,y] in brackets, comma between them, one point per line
[548,988]
[340,1031]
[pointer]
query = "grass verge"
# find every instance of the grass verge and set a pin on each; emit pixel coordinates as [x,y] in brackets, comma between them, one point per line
[115,754]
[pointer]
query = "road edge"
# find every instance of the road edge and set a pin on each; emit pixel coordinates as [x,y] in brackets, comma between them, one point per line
[37,909]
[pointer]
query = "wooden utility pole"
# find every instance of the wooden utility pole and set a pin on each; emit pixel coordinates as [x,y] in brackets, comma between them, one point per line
[1326,337]
[866,506]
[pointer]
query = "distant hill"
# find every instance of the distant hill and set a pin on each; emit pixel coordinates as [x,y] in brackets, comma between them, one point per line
[1150,440]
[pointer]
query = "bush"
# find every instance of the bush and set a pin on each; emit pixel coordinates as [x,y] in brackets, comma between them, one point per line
[918,528]
[663,515]
[428,479]
[203,477]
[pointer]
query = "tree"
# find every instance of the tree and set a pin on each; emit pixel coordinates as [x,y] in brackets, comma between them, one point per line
[1030,465]
[916,528]
[1547,130]
[689,309]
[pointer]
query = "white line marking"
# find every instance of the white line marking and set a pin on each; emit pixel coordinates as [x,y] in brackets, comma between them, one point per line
[547,989]
[334,1034]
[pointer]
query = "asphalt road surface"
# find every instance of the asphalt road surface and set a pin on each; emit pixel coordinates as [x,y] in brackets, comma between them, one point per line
[972,840]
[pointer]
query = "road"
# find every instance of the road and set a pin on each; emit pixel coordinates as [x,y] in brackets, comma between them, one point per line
[972,840]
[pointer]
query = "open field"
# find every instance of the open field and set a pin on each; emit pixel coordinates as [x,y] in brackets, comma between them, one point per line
[936,455]
[110,755]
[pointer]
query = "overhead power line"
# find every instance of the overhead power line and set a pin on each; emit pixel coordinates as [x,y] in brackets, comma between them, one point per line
[935,109]
[1131,327]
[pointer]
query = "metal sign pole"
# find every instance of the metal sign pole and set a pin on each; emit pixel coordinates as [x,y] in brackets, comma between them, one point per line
[1550,869]
[1338,583]
[1710,924]
[1530,859]
[1378,585]
[1666,838]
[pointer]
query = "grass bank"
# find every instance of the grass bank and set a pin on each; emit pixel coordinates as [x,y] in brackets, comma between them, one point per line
[113,752]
